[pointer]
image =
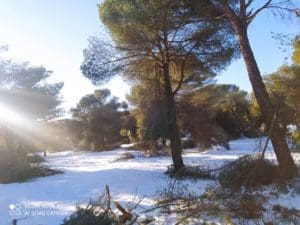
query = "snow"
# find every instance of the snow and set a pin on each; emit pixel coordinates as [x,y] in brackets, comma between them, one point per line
[47,200]
[127,145]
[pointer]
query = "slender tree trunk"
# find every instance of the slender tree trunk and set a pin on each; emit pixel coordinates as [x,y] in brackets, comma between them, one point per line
[286,163]
[172,122]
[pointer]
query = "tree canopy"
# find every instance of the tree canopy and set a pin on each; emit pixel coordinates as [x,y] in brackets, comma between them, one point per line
[99,116]
[162,40]
[143,32]
[24,88]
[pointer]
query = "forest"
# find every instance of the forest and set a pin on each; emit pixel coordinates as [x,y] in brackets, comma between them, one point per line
[182,148]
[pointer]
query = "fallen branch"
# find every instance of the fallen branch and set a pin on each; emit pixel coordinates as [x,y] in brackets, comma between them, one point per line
[108,199]
[126,216]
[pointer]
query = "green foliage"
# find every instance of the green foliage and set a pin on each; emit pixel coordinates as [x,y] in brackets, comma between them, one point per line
[296,55]
[123,132]
[284,88]
[100,118]
[296,140]
[129,127]
[155,122]
[198,46]
[161,40]
[150,109]
[215,114]
[88,217]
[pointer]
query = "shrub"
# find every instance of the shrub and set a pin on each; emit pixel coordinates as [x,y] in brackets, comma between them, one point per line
[191,172]
[14,167]
[100,212]
[248,171]
[107,147]
[34,158]
[188,143]
[88,216]
[246,205]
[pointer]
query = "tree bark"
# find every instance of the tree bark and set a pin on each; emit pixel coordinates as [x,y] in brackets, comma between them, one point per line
[286,163]
[172,122]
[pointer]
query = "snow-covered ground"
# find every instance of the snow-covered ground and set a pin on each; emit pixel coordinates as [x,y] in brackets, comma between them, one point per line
[47,200]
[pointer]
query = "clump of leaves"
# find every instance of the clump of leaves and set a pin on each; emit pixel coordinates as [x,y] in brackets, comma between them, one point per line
[248,171]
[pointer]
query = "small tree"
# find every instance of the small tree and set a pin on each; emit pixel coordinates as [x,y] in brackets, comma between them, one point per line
[101,118]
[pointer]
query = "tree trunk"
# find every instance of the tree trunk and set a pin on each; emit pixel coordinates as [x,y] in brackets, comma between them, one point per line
[172,121]
[286,163]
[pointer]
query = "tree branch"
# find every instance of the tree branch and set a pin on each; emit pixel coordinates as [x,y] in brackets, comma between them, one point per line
[251,15]
[248,3]
[242,9]
[181,79]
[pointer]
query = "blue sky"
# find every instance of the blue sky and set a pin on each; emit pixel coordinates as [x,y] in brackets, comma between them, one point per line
[53,33]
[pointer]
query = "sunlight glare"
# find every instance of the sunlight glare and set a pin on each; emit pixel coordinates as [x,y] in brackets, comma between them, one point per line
[8,116]
[29,129]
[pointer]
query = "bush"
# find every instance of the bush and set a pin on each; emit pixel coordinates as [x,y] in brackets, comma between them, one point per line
[248,171]
[246,205]
[34,158]
[187,143]
[107,147]
[14,167]
[23,174]
[190,172]
[100,212]
[88,216]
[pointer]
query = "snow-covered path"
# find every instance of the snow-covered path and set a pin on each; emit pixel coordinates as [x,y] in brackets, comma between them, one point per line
[47,200]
